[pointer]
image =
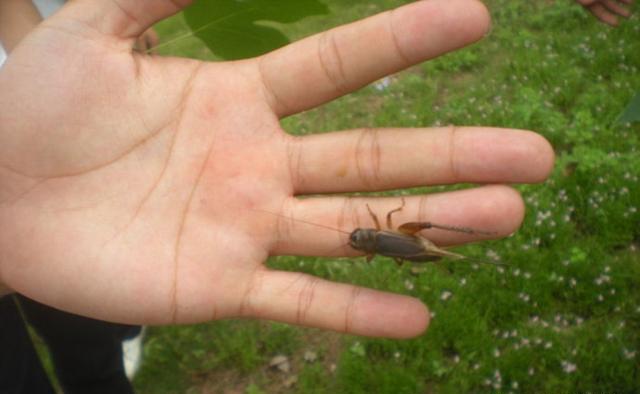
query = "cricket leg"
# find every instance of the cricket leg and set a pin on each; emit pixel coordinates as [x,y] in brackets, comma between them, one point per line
[411,228]
[374,217]
[389,225]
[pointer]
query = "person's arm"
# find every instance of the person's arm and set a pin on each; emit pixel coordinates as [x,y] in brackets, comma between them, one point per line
[17,18]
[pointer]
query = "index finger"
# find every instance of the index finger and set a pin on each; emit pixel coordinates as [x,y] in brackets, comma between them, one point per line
[330,64]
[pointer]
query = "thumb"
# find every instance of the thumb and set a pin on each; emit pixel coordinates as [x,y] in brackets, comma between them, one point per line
[125,19]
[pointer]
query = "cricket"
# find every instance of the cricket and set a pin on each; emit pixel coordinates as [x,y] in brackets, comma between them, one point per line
[405,243]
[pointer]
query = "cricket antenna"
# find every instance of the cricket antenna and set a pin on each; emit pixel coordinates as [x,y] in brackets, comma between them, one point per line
[466,230]
[302,221]
[479,261]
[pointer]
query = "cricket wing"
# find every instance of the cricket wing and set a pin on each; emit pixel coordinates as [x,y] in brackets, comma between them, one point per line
[406,247]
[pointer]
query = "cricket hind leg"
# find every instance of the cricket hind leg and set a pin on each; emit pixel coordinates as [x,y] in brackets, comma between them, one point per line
[411,228]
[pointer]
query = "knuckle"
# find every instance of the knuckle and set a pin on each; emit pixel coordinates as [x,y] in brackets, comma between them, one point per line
[268,89]
[332,62]
[306,298]
[294,161]
[350,310]
[393,32]
[368,155]
[454,165]
[247,307]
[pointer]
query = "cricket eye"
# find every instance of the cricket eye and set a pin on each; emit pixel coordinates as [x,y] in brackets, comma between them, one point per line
[354,237]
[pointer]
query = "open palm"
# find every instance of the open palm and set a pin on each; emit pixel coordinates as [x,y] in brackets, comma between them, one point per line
[151,190]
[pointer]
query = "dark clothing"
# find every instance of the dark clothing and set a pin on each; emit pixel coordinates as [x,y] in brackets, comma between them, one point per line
[20,368]
[86,353]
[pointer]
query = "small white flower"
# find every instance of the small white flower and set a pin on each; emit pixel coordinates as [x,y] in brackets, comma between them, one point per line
[568,367]
[445,295]
[629,354]
[382,84]
[408,285]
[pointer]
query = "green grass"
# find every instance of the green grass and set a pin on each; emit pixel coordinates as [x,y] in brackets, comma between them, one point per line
[564,317]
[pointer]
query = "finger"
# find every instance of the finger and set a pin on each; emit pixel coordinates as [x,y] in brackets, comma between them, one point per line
[381,159]
[325,66]
[305,300]
[321,226]
[616,8]
[602,13]
[126,19]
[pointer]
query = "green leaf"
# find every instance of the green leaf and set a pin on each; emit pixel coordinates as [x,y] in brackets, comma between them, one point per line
[237,29]
[632,113]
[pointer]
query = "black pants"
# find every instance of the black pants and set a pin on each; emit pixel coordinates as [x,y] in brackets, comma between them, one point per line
[86,353]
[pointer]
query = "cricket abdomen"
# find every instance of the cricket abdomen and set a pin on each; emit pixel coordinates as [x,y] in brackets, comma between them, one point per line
[391,244]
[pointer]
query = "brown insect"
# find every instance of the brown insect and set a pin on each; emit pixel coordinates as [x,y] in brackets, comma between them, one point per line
[405,243]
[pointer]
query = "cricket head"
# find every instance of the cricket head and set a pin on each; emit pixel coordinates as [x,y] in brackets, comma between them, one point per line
[363,239]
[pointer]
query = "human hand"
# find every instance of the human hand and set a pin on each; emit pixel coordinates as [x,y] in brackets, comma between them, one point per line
[607,11]
[144,189]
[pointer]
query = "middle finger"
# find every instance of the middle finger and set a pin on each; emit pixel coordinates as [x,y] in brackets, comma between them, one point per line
[384,159]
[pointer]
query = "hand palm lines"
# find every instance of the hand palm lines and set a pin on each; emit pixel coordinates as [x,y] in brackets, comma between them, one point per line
[158,178]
